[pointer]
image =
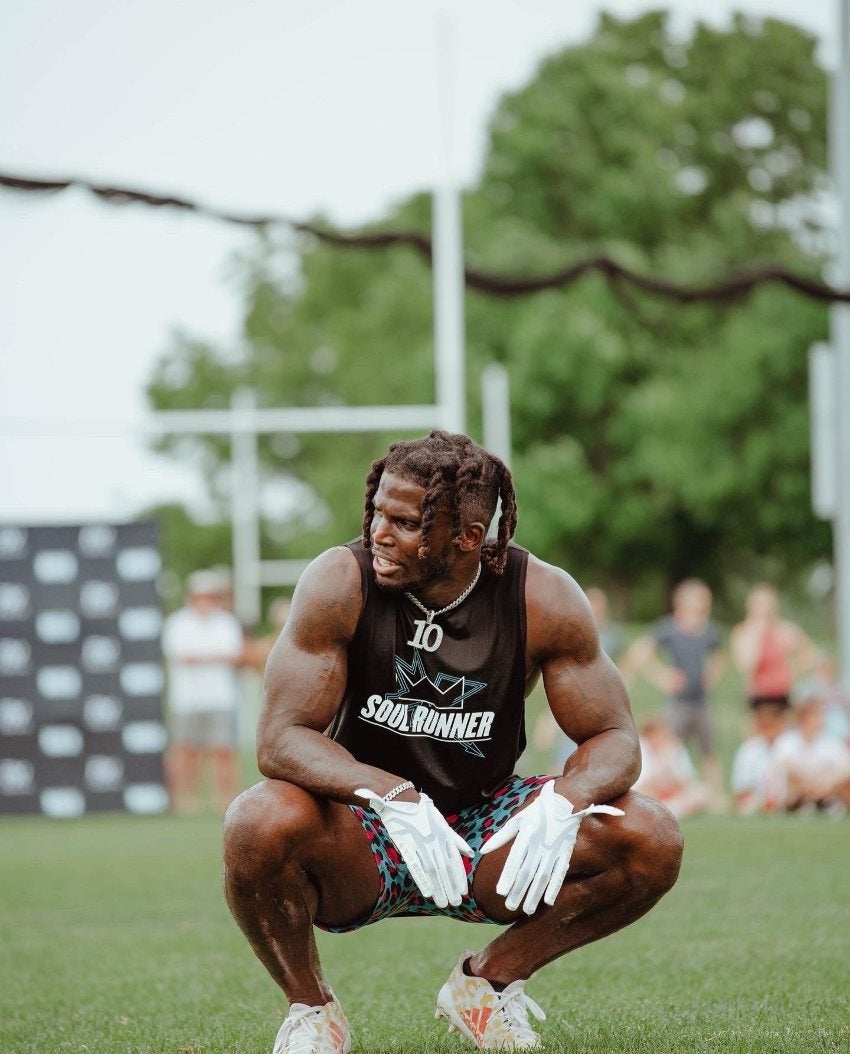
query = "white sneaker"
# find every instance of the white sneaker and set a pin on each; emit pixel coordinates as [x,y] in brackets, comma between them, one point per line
[492,1020]
[314,1030]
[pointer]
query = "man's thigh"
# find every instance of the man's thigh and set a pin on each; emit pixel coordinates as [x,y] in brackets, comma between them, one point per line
[334,853]
[398,894]
[286,845]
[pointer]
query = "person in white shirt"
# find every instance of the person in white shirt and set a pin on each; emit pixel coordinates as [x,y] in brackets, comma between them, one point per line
[203,647]
[814,767]
[667,772]
[756,785]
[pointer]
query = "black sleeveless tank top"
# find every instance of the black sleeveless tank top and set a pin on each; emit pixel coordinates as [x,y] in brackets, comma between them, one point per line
[452,719]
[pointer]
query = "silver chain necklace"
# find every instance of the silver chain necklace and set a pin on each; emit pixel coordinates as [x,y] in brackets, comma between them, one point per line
[428,634]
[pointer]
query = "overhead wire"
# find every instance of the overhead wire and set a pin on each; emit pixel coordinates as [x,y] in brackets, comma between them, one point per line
[736,286]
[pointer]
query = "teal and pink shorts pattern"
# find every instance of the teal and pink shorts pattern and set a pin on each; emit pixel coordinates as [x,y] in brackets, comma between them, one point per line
[399,894]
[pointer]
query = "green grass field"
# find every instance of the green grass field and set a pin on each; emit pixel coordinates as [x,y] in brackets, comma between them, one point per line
[116,939]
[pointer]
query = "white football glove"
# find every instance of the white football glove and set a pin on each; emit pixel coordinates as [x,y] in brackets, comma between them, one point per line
[429,847]
[545,835]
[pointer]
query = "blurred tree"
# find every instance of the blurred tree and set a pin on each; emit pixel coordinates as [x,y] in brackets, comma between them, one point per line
[651,440]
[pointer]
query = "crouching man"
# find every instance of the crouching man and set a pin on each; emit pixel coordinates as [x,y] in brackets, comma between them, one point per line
[392,722]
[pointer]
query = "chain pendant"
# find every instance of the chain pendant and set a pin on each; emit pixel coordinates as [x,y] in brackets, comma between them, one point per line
[428,635]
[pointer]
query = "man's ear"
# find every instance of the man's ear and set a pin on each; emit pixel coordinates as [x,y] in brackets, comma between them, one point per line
[471,537]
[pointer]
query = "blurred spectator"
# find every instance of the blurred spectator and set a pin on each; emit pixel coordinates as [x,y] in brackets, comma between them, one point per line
[225,596]
[826,685]
[755,785]
[203,645]
[691,643]
[814,768]
[547,735]
[610,633]
[770,652]
[257,649]
[667,772]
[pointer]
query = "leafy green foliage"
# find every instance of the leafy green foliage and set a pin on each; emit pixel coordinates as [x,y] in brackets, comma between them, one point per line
[651,440]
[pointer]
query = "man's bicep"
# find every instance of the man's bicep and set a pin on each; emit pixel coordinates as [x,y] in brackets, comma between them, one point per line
[587,699]
[304,687]
[308,665]
[584,688]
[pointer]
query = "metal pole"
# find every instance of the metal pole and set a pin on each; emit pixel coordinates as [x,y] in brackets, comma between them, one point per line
[448,308]
[823,430]
[244,496]
[496,422]
[448,277]
[496,411]
[840,320]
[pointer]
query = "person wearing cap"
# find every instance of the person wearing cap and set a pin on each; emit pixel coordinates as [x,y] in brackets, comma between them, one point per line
[203,646]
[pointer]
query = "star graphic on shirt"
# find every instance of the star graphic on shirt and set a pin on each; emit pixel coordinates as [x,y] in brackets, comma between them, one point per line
[445,692]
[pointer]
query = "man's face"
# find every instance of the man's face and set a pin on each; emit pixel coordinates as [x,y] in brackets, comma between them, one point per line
[397,535]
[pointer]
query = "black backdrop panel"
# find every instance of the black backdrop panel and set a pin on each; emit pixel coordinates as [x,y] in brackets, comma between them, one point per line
[81,677]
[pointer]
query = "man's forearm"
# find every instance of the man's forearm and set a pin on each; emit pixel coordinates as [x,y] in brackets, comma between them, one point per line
[601,769]
[313,761]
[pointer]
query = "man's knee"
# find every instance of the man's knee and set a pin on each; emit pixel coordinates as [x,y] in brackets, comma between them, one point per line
[646,842]
[265,826]
[655,844]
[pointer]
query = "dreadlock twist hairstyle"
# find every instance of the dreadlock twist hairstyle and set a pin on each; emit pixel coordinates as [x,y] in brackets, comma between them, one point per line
[459,476]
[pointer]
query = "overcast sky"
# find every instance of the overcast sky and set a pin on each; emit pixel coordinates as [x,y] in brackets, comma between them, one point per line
[276,105]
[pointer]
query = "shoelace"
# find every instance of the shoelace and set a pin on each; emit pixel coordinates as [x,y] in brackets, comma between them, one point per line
[514,1005]
[300,1030]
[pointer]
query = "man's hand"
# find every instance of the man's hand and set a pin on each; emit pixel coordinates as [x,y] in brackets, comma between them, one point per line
[429,847]
[545,835]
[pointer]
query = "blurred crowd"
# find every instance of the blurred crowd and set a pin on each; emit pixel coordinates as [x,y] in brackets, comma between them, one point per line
[794,750]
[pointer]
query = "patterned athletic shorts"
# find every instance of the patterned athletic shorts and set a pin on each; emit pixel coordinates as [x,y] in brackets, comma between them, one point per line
[399,894]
